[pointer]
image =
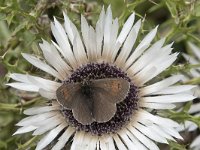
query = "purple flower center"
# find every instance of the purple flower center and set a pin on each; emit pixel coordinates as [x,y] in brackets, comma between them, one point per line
[125,109]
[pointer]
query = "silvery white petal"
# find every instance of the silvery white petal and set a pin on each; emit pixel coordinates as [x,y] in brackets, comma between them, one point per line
[24,86]
[148,132]
[175,89]
[68,28]
[191,59]
[144,76]
[113,38]
[148,118]
[102,144]
[47,94]
[44,83]
[50,52]
[63,42]
[148,56]
[136,142]
[194,108]
[25,129]
[118,142]
[92,52]
[50,137]
[126,139]
[172,132]
[161,84]
[85,32]
[169,98]
[48,124]
[41,65]
[161,66]
[141,47]
[63,138]
[35,119]
[126,28]
[107,32]
[78,141]
[100,32]
[143,139]
[40,110]
[196,142]
[195,49]
[128,45]
[79,50]
[35,82]
[110,143]
[157,129]
[157,105]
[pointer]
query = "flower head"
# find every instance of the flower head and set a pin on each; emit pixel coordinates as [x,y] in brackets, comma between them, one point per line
[103,95]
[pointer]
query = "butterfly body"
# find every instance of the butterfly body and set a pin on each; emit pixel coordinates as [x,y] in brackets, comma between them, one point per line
[93,100]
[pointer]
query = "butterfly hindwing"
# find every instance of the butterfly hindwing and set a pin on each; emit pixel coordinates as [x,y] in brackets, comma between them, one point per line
[82,112]
[103,109]
[107,92]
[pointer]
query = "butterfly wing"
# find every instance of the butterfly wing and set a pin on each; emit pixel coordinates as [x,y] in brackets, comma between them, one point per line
[70,96]
[116,88]
[107,92]
[66,94]
[103,109]
[82,112]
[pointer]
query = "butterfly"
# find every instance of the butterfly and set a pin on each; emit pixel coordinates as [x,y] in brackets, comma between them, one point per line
[93,100]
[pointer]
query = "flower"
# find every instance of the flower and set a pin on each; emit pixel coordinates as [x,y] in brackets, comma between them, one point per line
[195,108]
[103,54]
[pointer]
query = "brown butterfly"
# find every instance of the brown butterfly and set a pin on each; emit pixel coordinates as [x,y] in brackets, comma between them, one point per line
[93,100]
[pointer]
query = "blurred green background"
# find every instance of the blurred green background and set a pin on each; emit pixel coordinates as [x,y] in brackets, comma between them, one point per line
[23,23]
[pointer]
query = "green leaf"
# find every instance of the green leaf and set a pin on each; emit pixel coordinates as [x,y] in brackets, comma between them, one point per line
[3,145]
[176,146]
[9,18]
[171,5]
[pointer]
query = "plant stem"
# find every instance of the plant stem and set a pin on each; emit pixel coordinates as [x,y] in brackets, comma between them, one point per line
[17,107]
[9,107]
[28,143]
[171,34]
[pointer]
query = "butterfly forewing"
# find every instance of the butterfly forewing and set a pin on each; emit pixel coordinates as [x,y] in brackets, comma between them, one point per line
[117,88]
[66,94]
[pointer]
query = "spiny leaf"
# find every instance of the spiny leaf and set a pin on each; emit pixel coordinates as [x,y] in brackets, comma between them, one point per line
[176,146]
